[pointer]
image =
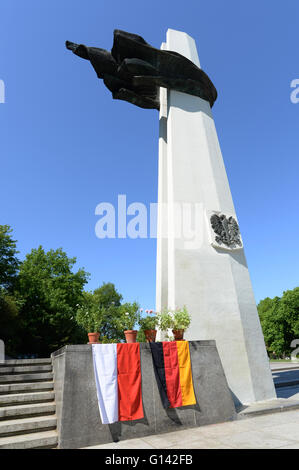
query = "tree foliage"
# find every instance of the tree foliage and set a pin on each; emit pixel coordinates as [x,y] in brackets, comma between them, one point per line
[102,311]
[9,322]
[9,263]
[49,291]
[109,300]
[9,307]
[43,304]
[107,295]
[280,322]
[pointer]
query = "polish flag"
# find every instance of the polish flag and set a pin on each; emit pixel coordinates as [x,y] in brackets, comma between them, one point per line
[118,381]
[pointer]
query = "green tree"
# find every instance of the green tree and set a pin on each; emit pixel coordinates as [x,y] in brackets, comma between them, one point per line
[108,295]
[141,338]
[9,322]
[9,307]
[109,300]
[49,291]
[290,305]
[102,311]
[280,321]
[9,263]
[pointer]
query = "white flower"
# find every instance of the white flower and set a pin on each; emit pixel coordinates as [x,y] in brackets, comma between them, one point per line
[127,313]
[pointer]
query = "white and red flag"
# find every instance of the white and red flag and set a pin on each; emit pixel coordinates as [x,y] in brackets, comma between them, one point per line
[118,381]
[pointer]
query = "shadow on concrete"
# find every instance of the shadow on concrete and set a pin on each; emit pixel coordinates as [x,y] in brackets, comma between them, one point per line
[191,104]
[290,377]
[238,405]
[237,255]
[116,428]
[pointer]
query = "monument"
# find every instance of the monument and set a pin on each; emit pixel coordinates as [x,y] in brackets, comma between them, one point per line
[209,276]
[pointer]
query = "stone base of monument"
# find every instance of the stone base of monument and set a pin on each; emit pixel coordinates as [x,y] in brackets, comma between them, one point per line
[79,423]
[267,407]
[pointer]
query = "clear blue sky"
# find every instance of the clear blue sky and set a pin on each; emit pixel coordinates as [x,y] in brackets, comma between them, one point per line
[66,145]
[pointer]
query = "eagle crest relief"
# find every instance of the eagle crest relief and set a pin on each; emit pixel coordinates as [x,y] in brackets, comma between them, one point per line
[227,232]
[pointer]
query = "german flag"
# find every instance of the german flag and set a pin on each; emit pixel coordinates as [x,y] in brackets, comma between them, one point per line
[172,366]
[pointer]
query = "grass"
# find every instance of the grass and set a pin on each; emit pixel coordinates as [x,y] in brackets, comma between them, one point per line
[282,360]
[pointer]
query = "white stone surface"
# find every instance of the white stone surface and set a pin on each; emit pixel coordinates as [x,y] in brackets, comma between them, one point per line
[214,284]
[162,242]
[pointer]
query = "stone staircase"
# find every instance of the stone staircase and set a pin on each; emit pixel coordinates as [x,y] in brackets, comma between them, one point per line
[27,405]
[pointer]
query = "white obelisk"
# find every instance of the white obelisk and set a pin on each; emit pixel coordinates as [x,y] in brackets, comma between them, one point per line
[194,270]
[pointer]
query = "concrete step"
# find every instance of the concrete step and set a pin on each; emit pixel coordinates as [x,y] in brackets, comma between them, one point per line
[26,377]
[27,425]
[265,407]
[26,398]
[30,440]
[283,366]
[25,387]
[26,362]
[23,369]
[20,411]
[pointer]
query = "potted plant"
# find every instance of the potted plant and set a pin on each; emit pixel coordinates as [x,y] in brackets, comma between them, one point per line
[180,322]
[129,316]
[177,320]
[90,316]
[164,319]
[148,324]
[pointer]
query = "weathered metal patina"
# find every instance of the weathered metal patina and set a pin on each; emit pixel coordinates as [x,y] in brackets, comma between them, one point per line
[134,71]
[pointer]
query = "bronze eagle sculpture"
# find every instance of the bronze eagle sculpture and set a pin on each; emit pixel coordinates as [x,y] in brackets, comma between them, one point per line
[134,70]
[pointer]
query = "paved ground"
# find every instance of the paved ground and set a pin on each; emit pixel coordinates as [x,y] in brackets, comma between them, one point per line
[270,431]
[278,430]
[284,365]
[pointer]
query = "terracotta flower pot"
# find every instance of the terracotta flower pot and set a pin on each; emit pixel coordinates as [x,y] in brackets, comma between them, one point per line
[130,336]
[93,338]
[178,335]
[150,335]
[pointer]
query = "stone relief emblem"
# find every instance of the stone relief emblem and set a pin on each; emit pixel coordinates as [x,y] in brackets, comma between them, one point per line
[226,231]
